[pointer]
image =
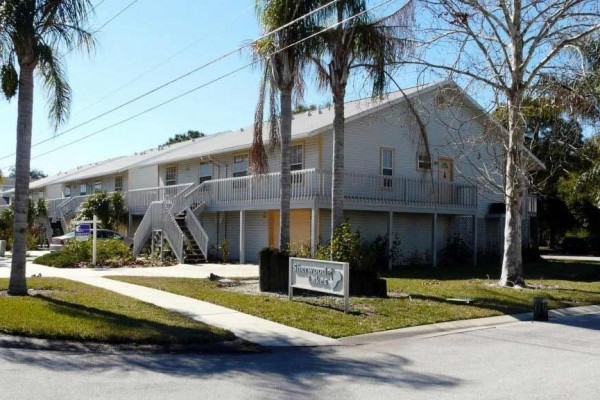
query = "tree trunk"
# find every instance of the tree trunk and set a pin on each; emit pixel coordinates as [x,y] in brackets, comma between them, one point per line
[18,283]
[512,261]
[286,155]
[337,184]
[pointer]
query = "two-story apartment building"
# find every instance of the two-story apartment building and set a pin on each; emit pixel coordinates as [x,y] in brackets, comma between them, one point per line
[199,192]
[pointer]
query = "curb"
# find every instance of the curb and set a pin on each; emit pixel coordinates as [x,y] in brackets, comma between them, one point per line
[453,327]
[237,346]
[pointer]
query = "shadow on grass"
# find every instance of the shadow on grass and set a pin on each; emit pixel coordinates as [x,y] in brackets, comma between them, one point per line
[163,333]
[546,270]
[300,374]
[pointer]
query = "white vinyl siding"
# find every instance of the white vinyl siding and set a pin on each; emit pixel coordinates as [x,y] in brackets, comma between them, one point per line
[257,234]
[144,177]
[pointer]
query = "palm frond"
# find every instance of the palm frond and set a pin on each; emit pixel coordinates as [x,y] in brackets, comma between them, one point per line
[258,161]
[9,80]
[55,83]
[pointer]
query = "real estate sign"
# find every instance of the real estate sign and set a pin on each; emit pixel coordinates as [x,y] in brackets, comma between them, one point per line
[82,231]
[320,276]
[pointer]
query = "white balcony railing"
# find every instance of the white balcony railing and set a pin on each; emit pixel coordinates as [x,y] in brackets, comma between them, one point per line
[359,188]
[139,200]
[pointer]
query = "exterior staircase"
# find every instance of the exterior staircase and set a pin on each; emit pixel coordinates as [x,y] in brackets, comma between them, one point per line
[192,253]
[180,226]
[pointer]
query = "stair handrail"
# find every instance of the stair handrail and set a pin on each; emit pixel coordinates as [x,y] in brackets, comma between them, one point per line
[158,217]
[196,192]
[197,231]
[172,233]
[178,202]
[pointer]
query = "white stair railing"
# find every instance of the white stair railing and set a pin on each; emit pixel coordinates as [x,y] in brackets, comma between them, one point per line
[197,231]
[158,217]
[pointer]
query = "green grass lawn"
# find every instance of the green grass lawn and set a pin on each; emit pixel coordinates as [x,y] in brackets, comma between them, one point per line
[63,309]
[418,297]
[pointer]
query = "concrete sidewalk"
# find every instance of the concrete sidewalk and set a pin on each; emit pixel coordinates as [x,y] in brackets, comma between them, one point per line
[248,327]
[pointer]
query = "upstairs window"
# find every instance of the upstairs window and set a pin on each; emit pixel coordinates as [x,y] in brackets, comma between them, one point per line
[423,161]
[387,166]
[205,172]
[297,163]
[67,191]
[83,190]
[97,187]
[171,176]
[118,184]
[240,165]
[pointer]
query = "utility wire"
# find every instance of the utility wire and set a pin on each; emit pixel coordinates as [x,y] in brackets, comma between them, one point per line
[207,64]
[156,66]
[213,80]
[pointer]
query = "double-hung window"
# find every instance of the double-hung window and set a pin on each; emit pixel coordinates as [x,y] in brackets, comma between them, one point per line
[171,176]
[83,189]
[118,184]
[297,162]
[387,167]
[97,187]
[240,169]
[205,172]
[67,191]
[423,161]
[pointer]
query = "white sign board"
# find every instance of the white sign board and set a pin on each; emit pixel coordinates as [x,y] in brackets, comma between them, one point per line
[82,231]
[320,276]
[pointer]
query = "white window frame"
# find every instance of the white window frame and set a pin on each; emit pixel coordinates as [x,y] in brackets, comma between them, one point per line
[203,176]
[83,189]
[119,187]
[97,187]
[171,170]
[67,191]
[239,160]
[297,165]
[422,163]
[386,171]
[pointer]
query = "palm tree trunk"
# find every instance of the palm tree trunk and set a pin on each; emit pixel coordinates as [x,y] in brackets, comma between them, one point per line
[337,184]
[18,283]
[286,159]
[512,261]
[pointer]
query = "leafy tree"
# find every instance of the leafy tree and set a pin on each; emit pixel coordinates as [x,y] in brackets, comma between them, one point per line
[283,62]
[182,137]
[506,48]
[34,174]
[109,208]
[358,42]
[300,108]
[32,32]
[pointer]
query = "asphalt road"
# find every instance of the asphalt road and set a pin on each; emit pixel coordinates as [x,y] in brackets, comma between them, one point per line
[559,360]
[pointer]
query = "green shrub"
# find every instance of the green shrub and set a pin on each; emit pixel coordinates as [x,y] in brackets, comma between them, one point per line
[79,254]
[456,253]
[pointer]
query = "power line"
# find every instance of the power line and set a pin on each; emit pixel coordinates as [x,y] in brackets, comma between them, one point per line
[205,65]
[156,66]
[213,80]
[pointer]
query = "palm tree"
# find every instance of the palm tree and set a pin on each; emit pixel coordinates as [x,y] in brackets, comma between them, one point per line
[283,60]
[359,41]
[32,32]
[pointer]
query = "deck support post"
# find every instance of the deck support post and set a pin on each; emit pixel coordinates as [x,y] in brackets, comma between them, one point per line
[314,234]
[390,235]
[434,240]
[129,224]
[242,237]
[475,240]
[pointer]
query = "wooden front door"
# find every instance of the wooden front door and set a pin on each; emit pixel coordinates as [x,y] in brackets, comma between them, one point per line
[446,169]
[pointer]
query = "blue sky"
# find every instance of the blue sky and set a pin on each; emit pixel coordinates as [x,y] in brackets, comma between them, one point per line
[142,37]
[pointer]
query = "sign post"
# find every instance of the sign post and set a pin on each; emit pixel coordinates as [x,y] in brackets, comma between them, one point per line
[94,237]
[320,276]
